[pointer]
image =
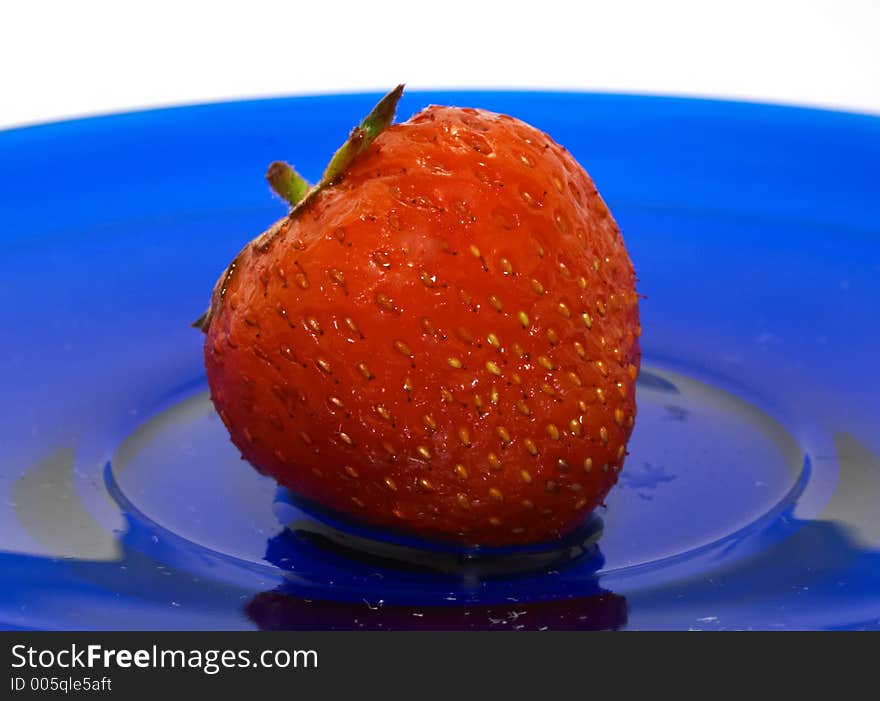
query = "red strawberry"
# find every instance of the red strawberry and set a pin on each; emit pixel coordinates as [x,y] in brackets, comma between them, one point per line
[441,338]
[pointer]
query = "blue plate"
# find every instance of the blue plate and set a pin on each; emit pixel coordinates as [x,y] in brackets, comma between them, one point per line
[750,499]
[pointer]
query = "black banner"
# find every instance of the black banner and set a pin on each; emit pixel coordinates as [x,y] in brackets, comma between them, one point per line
[410,664]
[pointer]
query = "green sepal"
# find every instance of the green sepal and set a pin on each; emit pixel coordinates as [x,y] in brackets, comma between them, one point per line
[362,136]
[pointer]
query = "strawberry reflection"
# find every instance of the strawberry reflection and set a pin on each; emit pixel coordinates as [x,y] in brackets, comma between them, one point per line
[462,608]
[275,610]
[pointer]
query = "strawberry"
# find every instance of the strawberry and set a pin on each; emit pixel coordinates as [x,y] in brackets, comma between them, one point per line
[441,338]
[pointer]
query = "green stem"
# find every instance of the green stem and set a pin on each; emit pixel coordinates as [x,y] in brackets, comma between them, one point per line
[289,185]
[360,139]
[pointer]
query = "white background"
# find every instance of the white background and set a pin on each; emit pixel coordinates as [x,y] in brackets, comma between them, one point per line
[86,57]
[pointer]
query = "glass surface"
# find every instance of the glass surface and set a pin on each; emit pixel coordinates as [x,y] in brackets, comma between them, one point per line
[750,497]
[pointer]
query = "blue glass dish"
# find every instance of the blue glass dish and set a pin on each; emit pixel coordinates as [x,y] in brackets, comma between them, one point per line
[750,499]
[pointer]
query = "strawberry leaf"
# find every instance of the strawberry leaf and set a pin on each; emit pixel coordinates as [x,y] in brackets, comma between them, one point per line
[362,136]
